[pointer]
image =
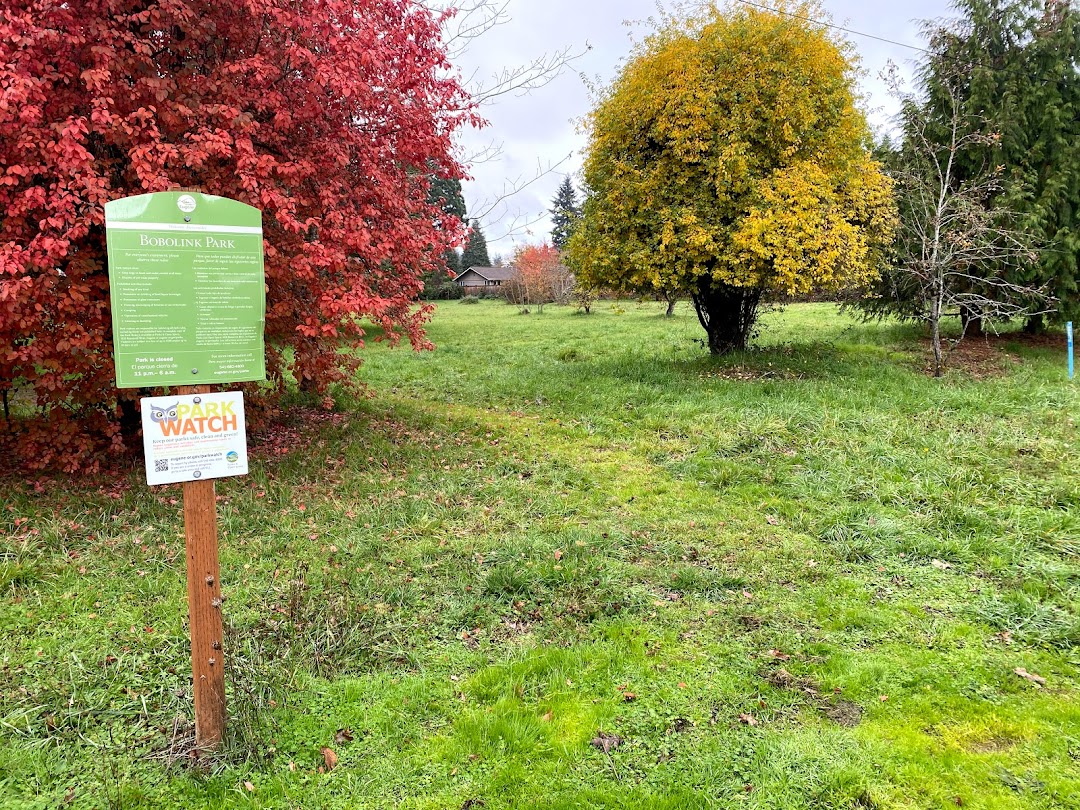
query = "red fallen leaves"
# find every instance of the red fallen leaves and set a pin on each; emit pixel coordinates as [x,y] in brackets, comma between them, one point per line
[328,116]
[329,757]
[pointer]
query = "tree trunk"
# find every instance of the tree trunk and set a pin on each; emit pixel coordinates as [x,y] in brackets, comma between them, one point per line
[971,322]
[726,313]
[1035,325]
[670,307]
[935,330]
[130,421]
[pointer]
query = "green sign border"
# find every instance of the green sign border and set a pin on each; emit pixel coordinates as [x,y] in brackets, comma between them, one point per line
[169,221]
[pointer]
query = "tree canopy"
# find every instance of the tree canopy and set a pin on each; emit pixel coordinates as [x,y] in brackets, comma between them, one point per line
[329,116]
[728,159]
[539,278]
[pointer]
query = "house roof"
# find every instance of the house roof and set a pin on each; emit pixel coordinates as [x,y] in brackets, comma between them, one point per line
[492,273]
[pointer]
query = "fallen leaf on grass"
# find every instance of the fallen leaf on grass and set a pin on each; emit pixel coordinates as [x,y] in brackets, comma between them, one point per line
[558,554]
[772,520]
[1038,680]
[941,565]
[329,757]
[606,742]
[629,697]
[343,735]
[748,719]
[547,716]
[250,787]
[779,656]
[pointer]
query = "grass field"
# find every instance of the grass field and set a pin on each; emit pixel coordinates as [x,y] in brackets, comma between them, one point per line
[574,562]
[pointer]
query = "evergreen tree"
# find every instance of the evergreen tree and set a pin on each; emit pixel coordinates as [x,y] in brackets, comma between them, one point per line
[1023,96]
[565,212]
[476,252]
[453,262]
[445,194]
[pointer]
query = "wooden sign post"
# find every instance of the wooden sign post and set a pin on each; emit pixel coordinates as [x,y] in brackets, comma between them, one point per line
[204,605]
[187,293]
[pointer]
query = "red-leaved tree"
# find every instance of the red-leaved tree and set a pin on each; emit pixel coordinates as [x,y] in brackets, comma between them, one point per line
[329,115]
[539,278]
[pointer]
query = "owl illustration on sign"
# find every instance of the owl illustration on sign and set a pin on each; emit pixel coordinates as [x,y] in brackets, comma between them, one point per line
[164,413]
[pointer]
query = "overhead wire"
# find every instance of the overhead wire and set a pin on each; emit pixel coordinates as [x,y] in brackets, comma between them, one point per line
[783,12]
[833,25]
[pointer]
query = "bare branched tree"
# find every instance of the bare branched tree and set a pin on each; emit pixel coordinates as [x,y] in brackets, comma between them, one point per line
[472,20]
[954,248]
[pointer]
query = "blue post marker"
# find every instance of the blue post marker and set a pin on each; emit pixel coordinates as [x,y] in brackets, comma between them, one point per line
[1068,332]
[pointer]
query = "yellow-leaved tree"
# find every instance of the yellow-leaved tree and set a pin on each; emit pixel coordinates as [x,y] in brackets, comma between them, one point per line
[727,160]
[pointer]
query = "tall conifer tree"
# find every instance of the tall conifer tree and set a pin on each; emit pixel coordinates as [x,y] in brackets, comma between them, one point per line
[445,193]
[476,252]
[565,212]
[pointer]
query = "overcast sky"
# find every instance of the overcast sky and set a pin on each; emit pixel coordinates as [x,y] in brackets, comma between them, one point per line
[539,130]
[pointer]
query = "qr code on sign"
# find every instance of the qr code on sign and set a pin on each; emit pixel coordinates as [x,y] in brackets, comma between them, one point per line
[161,465]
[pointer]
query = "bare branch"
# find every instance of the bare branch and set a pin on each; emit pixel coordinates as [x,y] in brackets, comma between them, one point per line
[955,247]
[470,21]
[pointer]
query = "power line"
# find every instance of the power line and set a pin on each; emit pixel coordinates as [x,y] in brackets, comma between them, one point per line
[831,25]
[964,64]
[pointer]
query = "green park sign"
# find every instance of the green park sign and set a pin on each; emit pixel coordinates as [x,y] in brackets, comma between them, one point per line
[187,289]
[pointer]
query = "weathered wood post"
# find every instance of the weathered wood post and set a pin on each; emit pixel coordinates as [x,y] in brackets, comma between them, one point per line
[204,605]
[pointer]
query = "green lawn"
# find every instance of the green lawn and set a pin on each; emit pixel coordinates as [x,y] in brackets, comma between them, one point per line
[801,577]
